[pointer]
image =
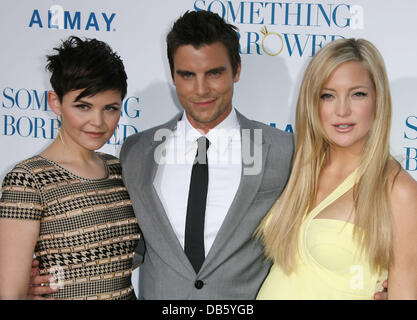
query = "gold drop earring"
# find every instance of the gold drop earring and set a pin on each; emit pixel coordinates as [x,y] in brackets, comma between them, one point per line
[59,118]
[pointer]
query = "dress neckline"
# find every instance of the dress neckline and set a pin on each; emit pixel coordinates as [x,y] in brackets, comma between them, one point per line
[337,192]
[106,168]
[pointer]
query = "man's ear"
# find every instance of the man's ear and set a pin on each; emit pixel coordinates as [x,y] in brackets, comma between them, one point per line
[54,102]
[237,75]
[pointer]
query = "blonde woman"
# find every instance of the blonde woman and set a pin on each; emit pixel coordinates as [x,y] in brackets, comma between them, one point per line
[347,219]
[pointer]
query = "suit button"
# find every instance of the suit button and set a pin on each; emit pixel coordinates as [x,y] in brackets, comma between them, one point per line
[199,284]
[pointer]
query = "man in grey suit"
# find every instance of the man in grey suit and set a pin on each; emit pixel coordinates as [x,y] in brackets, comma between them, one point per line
[203,52]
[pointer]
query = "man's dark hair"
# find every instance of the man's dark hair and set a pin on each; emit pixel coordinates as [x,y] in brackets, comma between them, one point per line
[87,64]
[199,28]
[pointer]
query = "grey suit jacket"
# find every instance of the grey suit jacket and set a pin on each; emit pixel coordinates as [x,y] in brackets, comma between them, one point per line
[235,266]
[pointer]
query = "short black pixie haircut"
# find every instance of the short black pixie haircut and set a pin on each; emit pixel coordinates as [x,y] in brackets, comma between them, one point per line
[87,64]
[199,28]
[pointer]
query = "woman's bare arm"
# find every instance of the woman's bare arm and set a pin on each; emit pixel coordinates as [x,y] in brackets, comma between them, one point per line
[17,243]
[402,279]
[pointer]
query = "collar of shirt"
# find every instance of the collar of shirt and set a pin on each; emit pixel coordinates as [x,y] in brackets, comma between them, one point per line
[221,137]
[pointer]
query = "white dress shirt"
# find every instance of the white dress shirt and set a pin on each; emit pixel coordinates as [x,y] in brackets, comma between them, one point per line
[172,180]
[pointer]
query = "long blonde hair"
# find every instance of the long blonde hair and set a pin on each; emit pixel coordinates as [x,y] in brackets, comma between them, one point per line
[373,222]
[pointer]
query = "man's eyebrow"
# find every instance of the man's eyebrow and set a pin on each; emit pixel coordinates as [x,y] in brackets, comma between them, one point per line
[186,72]
[183,72]
[218,69]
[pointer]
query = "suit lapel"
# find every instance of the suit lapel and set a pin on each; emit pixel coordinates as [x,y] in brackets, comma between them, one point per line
[154,206]
[248,187]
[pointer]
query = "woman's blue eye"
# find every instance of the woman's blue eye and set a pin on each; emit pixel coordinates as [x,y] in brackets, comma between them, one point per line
[360,94]
[326,96]
[81,106]
[112,108]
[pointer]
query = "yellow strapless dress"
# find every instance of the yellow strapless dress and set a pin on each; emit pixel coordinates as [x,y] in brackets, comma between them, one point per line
[329,264]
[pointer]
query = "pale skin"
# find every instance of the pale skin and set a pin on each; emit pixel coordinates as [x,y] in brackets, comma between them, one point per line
[346,110]
[87,124]
[17,244]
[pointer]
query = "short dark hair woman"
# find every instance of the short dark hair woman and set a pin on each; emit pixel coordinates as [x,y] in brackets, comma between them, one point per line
[68,204]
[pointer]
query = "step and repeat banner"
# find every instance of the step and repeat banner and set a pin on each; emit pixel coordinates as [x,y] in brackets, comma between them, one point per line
[277,40]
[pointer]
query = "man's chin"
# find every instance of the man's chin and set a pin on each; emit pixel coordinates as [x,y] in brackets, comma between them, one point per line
[207,118]
[203,118]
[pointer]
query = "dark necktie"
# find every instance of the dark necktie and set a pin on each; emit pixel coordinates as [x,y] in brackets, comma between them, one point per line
[196,207]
